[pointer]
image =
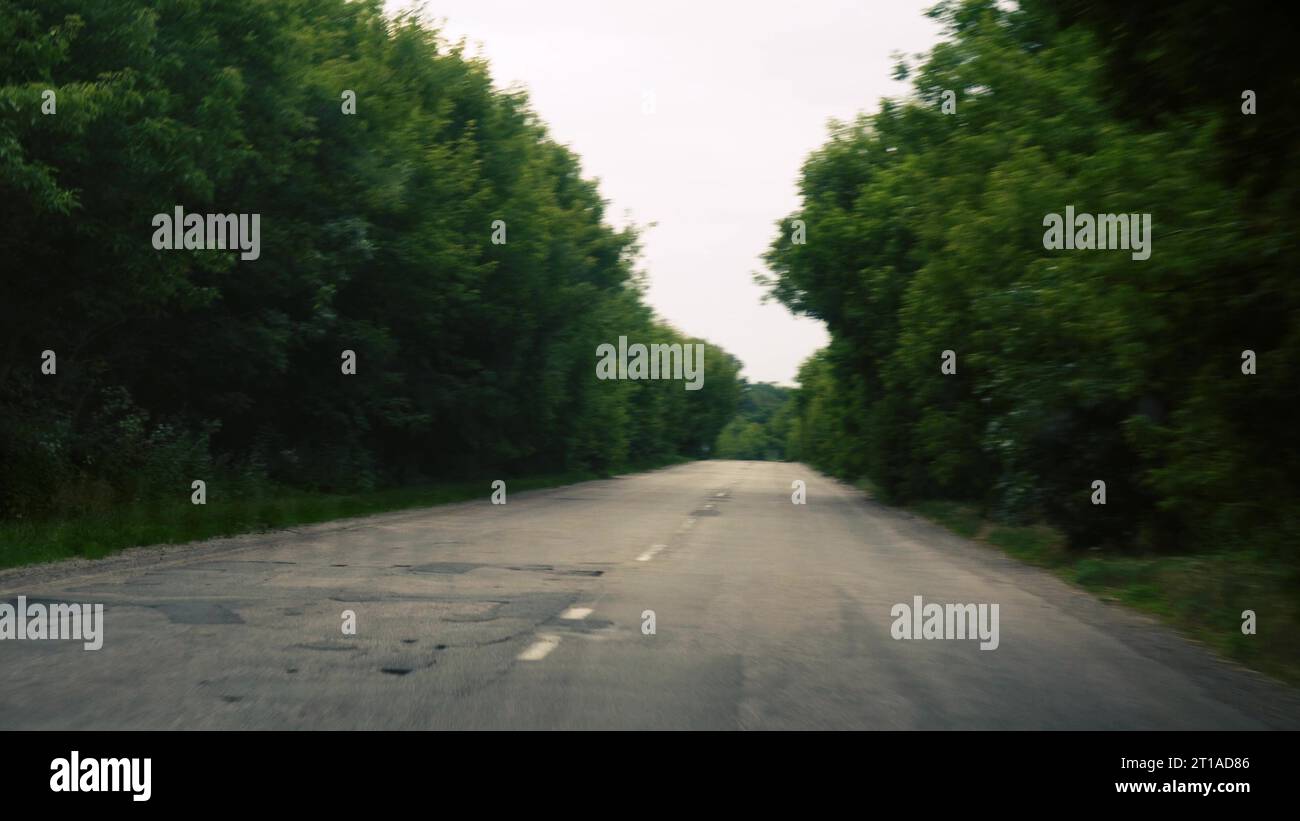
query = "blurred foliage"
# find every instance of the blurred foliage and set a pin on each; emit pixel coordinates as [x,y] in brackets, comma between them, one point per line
[759,428]
[924,234]
[473,358]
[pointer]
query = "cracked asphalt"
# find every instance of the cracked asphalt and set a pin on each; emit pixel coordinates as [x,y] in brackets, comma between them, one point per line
[767,615]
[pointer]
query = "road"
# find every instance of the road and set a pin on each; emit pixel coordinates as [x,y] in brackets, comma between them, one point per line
[767,615]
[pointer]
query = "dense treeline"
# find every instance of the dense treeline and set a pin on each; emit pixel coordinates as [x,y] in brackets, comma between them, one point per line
[376,234]
[925,234]
[760,426]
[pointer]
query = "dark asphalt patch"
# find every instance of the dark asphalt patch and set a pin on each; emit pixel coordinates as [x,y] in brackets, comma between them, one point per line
[546,568]
[324,646]
[452,568]
[197,613]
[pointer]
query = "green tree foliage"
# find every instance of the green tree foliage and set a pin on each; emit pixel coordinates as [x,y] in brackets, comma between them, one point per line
[760,426]
[376,237]
[924,234]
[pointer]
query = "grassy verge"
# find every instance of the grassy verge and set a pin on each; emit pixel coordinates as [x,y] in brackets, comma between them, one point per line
[1201,596]
[96,536]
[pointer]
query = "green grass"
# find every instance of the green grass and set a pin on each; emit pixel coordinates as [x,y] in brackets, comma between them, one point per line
[1201,596]
[97,535]
[960,519]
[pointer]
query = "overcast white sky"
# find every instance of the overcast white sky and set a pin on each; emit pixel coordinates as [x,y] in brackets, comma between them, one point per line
[741,93]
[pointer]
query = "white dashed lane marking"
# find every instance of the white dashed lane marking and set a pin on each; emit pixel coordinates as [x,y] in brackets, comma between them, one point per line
[576,613]
[650,554]
[541,648]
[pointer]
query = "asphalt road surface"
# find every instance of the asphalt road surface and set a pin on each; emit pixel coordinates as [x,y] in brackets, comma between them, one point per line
[532,614]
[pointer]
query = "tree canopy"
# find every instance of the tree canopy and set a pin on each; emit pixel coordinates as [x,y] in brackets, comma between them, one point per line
[924,234]
[377,235]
